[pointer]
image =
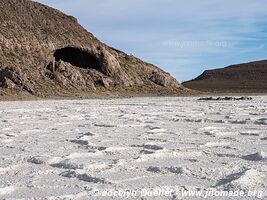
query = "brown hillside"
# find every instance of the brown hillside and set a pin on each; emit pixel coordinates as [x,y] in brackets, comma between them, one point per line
[247,77]
[44,53]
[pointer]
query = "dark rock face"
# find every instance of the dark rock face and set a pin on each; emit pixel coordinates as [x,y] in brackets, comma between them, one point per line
[46,53]
[78,58]
[248,77]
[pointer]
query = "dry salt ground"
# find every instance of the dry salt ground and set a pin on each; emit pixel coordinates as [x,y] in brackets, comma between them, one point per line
[81,148]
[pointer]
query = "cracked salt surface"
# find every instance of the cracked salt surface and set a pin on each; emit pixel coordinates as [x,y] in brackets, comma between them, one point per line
[67,149]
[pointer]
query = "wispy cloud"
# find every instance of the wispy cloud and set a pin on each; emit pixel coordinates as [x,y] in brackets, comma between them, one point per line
[182,37]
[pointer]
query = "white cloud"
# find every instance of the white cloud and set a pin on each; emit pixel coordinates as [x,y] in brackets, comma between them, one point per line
[141,28]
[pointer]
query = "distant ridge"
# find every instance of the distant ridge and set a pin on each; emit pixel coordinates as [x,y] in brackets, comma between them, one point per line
[246,77]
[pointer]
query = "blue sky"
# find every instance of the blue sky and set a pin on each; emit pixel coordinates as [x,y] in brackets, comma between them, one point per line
[183,37]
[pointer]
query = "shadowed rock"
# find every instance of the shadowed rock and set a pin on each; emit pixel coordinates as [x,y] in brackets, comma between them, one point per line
[256,157]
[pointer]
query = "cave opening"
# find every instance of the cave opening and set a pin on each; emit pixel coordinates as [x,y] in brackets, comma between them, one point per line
[78,58]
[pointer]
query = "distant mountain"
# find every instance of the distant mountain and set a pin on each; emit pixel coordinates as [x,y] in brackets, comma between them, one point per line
[247,77]
[46,53]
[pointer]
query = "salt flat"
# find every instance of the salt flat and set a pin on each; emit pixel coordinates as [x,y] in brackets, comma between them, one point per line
[81,148]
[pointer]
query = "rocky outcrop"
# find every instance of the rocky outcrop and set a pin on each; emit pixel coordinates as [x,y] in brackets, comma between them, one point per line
[248,77]
[44,52]
[10,77]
